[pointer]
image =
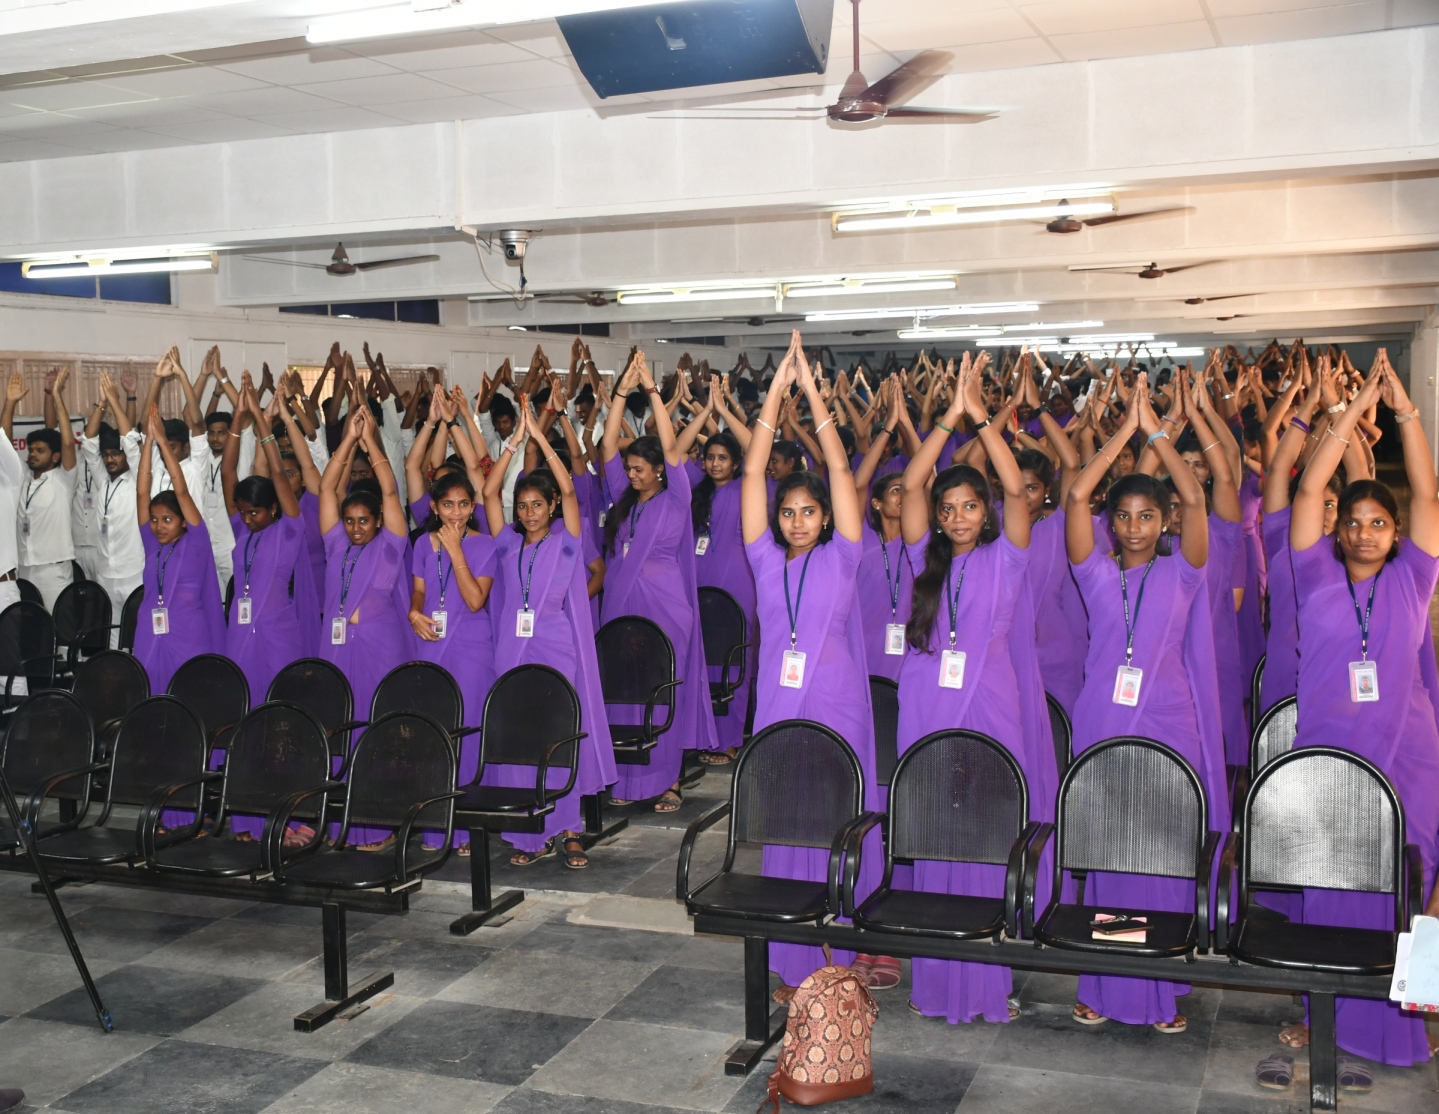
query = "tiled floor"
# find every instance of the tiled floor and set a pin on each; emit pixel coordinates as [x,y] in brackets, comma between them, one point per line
[547,1014]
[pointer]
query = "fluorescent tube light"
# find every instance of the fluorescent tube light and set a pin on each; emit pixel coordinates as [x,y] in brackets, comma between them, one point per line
[943,216]
[923,313]
[81,13]
[82,268]
[415,19]
[956,332]
[1053,326]
[910,286]
[665,297]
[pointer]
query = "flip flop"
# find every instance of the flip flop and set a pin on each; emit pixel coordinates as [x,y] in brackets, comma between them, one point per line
[885,973]
[1172,1028]
[530,858]
[715,758]
[670,801]
[1354,1075]
[862,966]
[1086,1016]
[1275,1072]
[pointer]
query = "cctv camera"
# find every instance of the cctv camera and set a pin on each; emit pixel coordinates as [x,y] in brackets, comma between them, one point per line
[514,241]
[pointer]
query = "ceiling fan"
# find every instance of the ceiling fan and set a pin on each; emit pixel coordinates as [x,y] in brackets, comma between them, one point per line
[1151,271]
[1066,224]
[1216,298]
[340,264]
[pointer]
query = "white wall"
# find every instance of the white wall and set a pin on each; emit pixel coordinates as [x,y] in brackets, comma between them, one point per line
[1423,374]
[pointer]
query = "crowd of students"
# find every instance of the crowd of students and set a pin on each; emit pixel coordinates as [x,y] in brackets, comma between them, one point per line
[1127,539]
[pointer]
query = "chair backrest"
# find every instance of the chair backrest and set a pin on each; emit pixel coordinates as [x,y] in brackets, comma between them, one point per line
[1063,731]
[82,617]
[529,708]
[109,684]
[28,592]
[278,749]
[48,734]
[1274,734]
[130,617]
[320,687]
[795,785]
[420,686]
[723,624]
[884,706]
[957,796]
[27,643]
[1131,806]
[1323,817]
[216,688]
[161,741]
[635,659]
[1254,682]
[401,759]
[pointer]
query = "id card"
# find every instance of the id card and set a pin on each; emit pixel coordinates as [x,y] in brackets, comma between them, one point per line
[603,515]
[104,527]
[702,544]
[791,674]
[242,611]
[625,551]
[1126,686]
[524,623]
[951,669]
[894,638]
[337,631]
[212,500]
[439,618]
[1363,682]
[25,527]
[159,620]
[89,501]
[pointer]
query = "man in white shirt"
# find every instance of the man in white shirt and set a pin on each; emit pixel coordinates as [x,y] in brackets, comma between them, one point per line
[497,421]
[46,546]
[12,476]
[115,454]
[84,523]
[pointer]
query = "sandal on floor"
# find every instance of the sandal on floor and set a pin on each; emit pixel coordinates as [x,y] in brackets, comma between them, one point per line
[384,845]
[783,995]
[1171,1028]
[670,801]
[1275,1072]
[1013,1004]
[463,850]
[575,858]
[862,966]
[884,973]
[1295,1036]
[530,858]
[618,803]
[1086,1016]
[1354,1075]
[715,758]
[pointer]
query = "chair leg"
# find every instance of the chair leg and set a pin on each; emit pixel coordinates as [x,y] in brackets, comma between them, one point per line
[338,995]
[594,813]
[692,770]
[483,909]
[1323,1069]
[761,1027]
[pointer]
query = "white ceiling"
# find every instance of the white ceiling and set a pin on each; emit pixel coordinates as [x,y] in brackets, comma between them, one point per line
[241,71]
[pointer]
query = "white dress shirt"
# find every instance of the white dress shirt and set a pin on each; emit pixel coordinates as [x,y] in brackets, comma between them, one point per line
[12,475]
[122,554]
[84,518]
[44,517]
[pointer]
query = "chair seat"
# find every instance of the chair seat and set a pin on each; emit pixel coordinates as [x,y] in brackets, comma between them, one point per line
[216,858]
[721,696]
[913,913]
[503,798]
[1314,947]
[632,744]
[1170,934]
[345,868]
[90,845]
[757,897]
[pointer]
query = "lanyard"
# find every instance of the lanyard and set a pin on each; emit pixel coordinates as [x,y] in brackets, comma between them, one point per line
[252,544]
[442,574]
[893,585]
[639,509]
[161,561]
[110,494]
[1138,603]
[89,478]
[214,475]
[954,597]
[347,570]
[530,572]
[793,609]
[1368,610]
[35,487]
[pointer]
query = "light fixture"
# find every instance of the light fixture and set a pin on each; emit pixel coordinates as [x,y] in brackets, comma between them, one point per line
[1053,326]
[81,13]
[953,332]
[665,297]
[945,216]
[101,266]
[424,16]
[859,286]
[922,313]
[517,328]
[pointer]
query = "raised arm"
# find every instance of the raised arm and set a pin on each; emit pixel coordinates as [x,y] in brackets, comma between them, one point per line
[1194,545]
[494,482]
[686,438]
[614,420]
[394,514]
[569,502]
[194,417]
[14,391]
[1016,506]
[1418,464]
[870,464]
[1306,521]
[1286,452]
[754,493]
[191,513]
[229,473]
[266,447]
[845,501]
[1078,527]
[415,458]
[62,422]
[299,444]
[337,473]
[664,426]
[1225,486]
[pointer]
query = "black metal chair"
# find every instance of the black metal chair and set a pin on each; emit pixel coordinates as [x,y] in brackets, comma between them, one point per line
[278,757]
[48,734]
[130,618]
[1130,806]
[82,621]
[107,686]
[28,592]
[637,667]
[725,630]
[531,718]
[161,742]
[218,691]
[1273,735]
[27,648]
[884,707]
[1254,682]
[422,686]
[402,776]
[1326,818]
[956,797]
[322,689]
[1063,731]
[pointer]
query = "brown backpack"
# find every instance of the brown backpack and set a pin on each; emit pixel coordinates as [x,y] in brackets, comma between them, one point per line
[826,1050]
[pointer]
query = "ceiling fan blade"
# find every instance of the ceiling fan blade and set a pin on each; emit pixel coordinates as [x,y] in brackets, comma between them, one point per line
[1118,268]
[1188,267]
[1116,217]
[401,262]
[899,84]
[284,262]
[940,115]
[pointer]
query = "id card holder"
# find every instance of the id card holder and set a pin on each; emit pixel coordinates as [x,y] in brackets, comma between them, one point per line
[243,611]
[791,675]
[603,516]
[524,623]
[89,501]
[104,527]
[702,544]
[894,638]
[159,620]
[1126,685]
[25,527]
[1364,682]
[439,618]
[212,500]
[625,551]
[951,669]
[337,631]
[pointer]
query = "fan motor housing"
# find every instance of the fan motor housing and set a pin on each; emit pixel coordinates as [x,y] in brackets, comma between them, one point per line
[703,42]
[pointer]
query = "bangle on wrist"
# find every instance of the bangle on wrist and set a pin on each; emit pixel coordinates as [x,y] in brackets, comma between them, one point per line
[981,425]
[1171,421]
[1337,408]
[266,440]
[1156,435]
[761,421]
[1299,423]
[822,424]
[1409,416]
[939,425]
[1342,440]
[129,398]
